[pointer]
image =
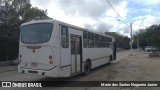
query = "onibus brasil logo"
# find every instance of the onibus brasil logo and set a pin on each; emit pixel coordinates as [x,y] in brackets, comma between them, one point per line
[18,84]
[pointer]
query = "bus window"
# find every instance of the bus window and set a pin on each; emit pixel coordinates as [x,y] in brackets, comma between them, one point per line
[36,33]
[90,40]
[99,41]
[107,42]
[64,37]
[103,41]
[96,40]
[85,39]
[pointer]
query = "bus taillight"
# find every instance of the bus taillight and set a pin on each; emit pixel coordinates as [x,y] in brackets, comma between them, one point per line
[20,57]
[50,62]
[50,59]
[33,50]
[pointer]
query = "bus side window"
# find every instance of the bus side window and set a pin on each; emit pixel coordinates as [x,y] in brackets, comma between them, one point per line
[89,39]
[64,37]
[103,41]
[85,39]
[99,41]
[92,40]
[96,40]
[107,42]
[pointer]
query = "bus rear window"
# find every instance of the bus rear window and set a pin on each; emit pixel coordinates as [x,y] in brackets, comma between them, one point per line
[36,33]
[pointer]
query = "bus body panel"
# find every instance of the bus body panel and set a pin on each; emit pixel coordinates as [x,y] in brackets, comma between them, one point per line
[50,73]
[101,56]
[36,58]
[75,58]
[65,63]
[55,43]
[67,60]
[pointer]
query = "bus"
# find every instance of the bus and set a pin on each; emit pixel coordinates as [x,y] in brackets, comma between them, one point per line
[56,49]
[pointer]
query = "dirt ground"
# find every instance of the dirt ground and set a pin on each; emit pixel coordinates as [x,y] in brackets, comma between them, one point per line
[138,67]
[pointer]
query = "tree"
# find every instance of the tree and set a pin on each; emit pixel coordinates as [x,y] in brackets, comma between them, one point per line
[13,13]
[149,36]
[122,41]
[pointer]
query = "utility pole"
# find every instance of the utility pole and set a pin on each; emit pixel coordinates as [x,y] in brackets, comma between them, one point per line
[131,42]
[137,42]
[131,38]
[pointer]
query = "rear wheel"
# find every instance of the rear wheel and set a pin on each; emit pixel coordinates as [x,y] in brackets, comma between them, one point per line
[87,68]
[110,59]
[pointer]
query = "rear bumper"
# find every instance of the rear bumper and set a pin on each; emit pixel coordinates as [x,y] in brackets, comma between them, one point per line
[50,73]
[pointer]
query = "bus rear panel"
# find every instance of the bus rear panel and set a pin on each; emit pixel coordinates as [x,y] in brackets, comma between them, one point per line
[35,52]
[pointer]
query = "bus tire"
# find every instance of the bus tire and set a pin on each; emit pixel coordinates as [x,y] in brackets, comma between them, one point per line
[87,68]
[110,59]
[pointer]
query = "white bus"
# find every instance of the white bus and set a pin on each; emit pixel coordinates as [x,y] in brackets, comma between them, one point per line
[56,49]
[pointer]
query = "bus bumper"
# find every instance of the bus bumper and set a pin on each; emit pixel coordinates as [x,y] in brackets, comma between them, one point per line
[50,73]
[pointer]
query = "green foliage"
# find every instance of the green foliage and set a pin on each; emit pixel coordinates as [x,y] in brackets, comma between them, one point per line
[149,36]
[122,41]
[12,14]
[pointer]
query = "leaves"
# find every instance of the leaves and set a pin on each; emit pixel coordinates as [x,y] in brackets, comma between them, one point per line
[149,36]
[122,41]
[12,14]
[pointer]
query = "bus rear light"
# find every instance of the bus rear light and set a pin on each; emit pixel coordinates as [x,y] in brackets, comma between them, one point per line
[33,50]
[50,56]
[20,56]
[50,62]
[50,59]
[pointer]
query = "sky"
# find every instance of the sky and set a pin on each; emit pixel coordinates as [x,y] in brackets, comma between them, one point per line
[99,16]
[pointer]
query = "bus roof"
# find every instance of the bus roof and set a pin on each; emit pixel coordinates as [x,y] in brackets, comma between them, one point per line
[60,22]
[37,21]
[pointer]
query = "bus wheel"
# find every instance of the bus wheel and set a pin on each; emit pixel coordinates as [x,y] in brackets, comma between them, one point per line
[110,59]
[87,68]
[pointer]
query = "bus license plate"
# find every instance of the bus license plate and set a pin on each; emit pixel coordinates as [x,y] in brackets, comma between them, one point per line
[34,64]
